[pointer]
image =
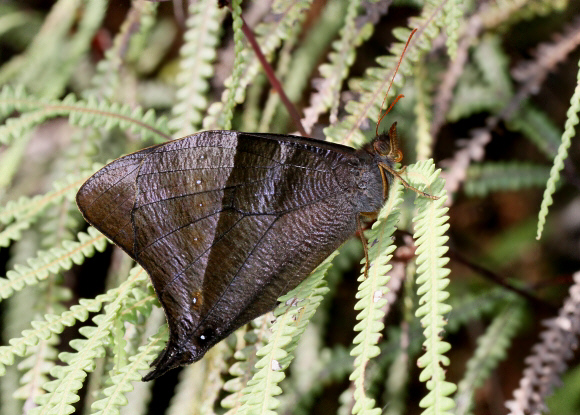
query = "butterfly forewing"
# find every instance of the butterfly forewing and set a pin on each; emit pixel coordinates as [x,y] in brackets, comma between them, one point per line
[106,200]
[224,223]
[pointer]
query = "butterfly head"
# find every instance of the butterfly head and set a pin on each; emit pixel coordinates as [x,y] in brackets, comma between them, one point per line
[386,146]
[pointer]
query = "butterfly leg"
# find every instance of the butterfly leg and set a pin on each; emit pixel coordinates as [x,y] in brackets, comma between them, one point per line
[397,174]
[370,215]
[364,244]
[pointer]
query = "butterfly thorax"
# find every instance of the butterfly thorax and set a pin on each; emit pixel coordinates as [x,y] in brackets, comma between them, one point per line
[371,190]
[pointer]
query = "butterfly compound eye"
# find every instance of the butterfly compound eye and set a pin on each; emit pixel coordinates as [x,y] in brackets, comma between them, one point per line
[381,147]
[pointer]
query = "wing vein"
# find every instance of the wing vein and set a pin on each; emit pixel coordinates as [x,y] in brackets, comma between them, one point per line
[235,275]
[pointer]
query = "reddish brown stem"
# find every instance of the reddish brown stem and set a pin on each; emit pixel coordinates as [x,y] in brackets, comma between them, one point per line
[488,274]
[269,71]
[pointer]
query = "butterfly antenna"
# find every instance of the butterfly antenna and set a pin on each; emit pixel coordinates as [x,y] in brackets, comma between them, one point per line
[391,84]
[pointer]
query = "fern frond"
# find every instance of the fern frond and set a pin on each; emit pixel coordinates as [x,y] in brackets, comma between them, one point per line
[196,57]
[549,357]
[373,87]
[200,384]
[150,322]
[140,303]
[269,36]
[371,302]
[430,227]
[15,98]
[10,161]
[43,51]
[42,355]
[52,80]
[60,223]
[107,80]
[122,378]
[13,232]
[486,85]
[489,177]
[453,13]
[244,368]
[397,382]
[89,113]
[492,347]
[538,128]
[285,69]
[469,151]
[332,366]
[292,316]
[55,324]
[63,391]
[396,378]
[423,114]
[148,46]
[340,59]
[569,132]
[52,261]
[469,307]
[513,11]
[234,80]
[346,402]
[35,370]
[26,210]
[547,56]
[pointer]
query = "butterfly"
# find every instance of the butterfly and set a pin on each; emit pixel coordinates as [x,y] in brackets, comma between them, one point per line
[226,222]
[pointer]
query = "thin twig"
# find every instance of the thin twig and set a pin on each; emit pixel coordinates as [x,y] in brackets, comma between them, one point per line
[269,71]
[492,276]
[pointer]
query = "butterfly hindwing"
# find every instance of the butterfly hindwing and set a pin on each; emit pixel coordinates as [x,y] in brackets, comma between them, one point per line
[224,223]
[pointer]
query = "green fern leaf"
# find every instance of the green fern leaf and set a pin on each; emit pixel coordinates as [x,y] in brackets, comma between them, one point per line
[489,177]
[52,261]
[122,379]
[516,10]
[430,226]
[10,161]
[55,324]
[63,391]
[492,348]
[90,113]
[292,316]
[269,36]
[200,384]
[27,210]
[370,295]
[469,307]
[424,144]
[15,98]
[234,80]
[538,128]
[107,81]
[140,303]
[197,55]
[335,71]
[373,87]
[453,10]
[57,48]
[52,83]
[486,84]
[569,132]
[244,368]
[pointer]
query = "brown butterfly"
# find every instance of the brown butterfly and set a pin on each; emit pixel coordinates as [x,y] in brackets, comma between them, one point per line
[225,222]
